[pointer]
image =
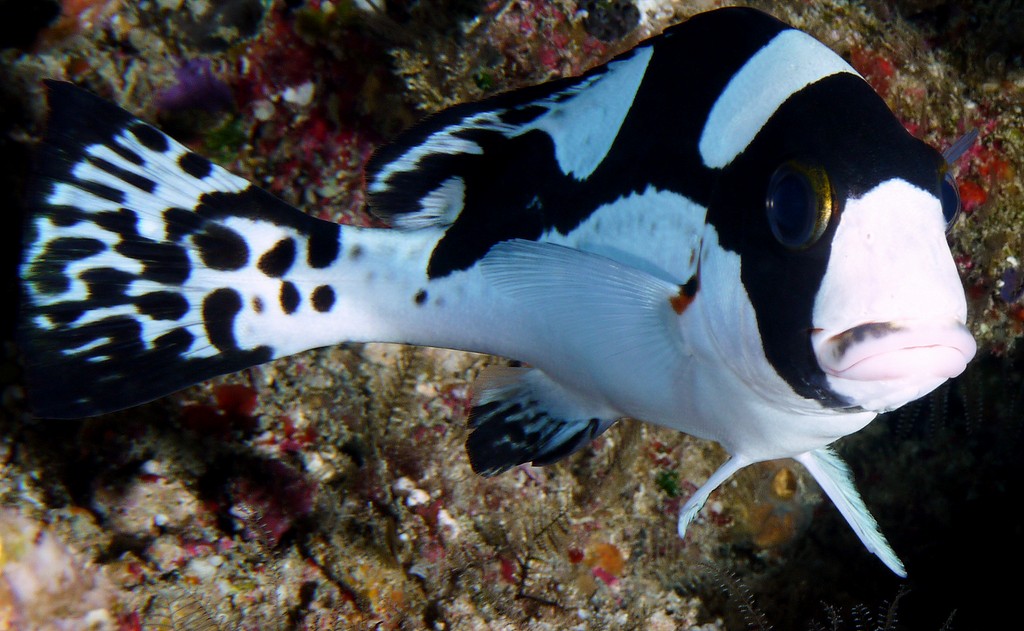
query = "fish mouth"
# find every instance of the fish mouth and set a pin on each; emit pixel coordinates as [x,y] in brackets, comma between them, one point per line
[895,350]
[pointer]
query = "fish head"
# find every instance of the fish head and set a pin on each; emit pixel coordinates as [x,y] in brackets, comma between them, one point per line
[889,318]
[843,246]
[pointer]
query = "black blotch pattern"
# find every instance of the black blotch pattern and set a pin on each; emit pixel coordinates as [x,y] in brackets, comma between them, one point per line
[516,189]
[195,165]
[421,297]
[289,297]
[323,245]
[219,311]
[64,313]
[122,367]
[64,216]
[122,221]
[162,305]
[164,263]
[150,137]
[176,341]
[100,190]
[123,331]
[507,434]
[48,278]
[73,248]
[126,153]
[221,248]
[180,222]
[48,272]
[323,237]
[140,182]
[106,286]
[279,259]
[323,298]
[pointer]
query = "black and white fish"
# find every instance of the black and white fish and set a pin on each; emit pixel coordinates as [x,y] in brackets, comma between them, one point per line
[723,231]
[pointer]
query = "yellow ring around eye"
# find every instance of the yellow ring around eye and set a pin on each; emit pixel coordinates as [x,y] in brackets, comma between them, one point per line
[798,222]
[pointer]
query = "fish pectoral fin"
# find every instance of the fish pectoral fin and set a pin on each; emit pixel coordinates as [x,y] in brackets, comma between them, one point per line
[592,306]
[834,477]
[521,415]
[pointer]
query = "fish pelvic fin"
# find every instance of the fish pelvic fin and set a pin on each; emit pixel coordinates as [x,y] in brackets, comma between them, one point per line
[835,478]
[521,415]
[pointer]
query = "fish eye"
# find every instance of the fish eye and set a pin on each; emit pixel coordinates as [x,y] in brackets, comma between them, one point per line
[799,204]
[950,200]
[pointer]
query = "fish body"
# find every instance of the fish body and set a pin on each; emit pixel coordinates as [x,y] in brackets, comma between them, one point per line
[723,231]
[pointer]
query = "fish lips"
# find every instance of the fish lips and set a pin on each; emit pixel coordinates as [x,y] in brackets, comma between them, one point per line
[895,350]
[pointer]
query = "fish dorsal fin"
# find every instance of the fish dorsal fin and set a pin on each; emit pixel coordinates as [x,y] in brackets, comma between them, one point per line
[587,304]
[834,477]
[560,130]
[520,415]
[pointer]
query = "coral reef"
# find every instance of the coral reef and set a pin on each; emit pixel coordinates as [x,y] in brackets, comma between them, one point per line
[331,490]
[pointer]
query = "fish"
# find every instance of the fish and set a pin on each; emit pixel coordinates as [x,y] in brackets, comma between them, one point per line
[724,231]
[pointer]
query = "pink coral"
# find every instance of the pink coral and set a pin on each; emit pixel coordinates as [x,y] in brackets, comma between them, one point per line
[44,585]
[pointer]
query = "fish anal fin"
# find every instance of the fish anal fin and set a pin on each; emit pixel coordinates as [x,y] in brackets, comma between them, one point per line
[521,415]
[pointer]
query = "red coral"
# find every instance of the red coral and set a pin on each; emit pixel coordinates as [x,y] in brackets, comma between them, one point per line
[875,67]
[233,412]
[972,195]
[272,500]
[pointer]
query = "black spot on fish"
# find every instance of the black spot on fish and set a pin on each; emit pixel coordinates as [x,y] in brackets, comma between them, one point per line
[149,137]
[323,298]
[106,286]
[289,297]
[176,341]
[164,263]
[126,153]
[219,311]
[140,182]
[278,260]
[195,165]
[257,304]
[49,283]
[162,305]
[64,313]
[179,222]
[355,252]
[122,221]
[221,248]
[103,191]
[323,237]
[73,248]
[421,297]
[324,245]
[65,216]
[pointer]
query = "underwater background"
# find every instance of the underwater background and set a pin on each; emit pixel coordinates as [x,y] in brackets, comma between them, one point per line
[331,490]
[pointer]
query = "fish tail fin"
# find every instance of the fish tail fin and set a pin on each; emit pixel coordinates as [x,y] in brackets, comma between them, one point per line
[146,268]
